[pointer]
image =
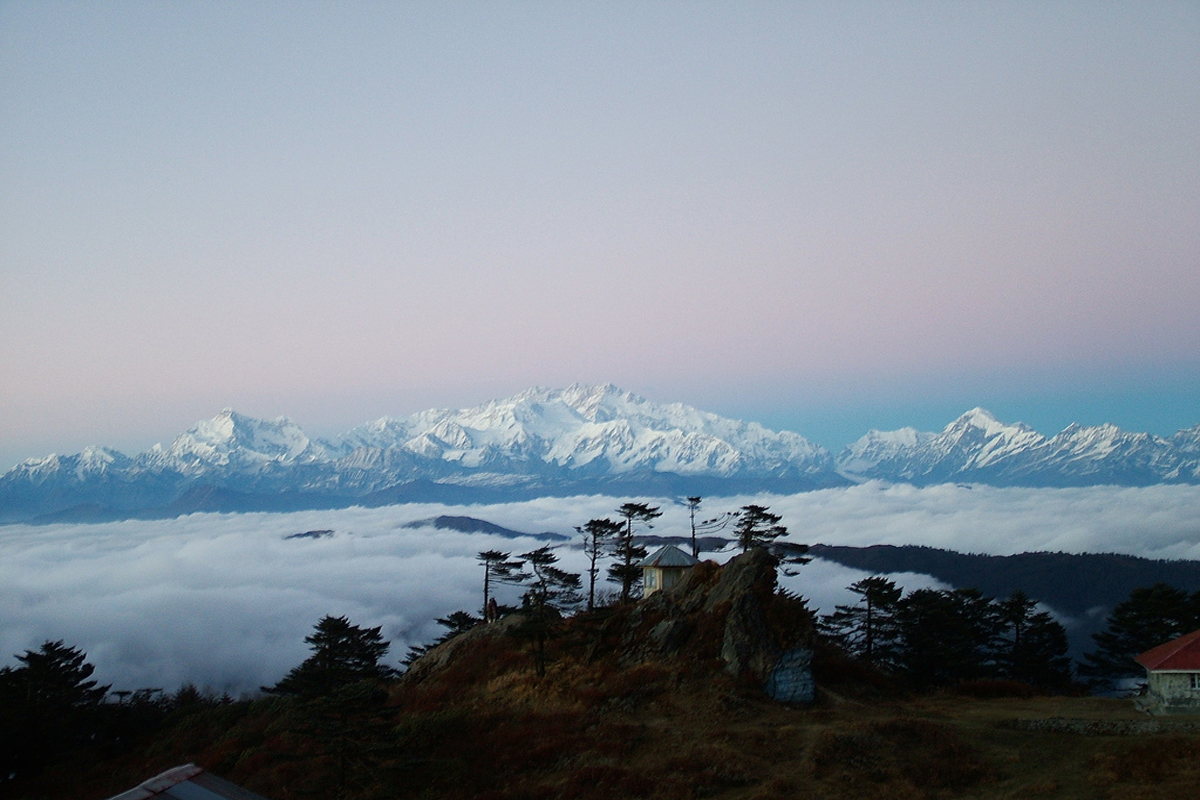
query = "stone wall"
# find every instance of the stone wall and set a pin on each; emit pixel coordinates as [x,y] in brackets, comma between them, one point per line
[1171,691]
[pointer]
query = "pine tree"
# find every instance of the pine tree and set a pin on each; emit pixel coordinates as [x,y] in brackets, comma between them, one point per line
[1151,616]
[455,623]
[868,629]
[597,534]
[1032,645]
[705,526]
[946,636]
[342,654]
[49,704]
[756,526]
[626,571]
[552,592]
[499,568]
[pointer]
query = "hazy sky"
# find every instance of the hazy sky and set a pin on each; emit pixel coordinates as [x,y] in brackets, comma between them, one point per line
[821,216]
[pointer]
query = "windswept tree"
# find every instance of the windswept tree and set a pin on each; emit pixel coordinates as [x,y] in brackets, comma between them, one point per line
[552,592]
[1032,645]
[342,654]
[498,568]
[756,526]
[869,629]
[704,526]
[597,534]
[626,571]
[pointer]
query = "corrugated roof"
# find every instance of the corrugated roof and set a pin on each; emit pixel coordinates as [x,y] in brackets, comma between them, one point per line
[669,556]
[1179,654]
[188,782]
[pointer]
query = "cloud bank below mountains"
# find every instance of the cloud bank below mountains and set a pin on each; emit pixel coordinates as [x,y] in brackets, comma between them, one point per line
[225,601]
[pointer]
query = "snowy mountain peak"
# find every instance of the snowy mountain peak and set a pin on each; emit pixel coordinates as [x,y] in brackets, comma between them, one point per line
[232,438]
[983,420]
[582,439]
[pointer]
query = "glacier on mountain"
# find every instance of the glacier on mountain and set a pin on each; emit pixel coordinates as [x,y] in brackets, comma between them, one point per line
[978,448]
[579,440]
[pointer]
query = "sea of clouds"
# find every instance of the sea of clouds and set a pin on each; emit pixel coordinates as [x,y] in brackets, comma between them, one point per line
[225,600]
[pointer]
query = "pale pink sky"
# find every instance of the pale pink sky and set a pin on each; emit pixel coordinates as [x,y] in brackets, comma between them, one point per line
[827,217]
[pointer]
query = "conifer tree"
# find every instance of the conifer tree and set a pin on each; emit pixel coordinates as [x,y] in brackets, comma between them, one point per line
[48,704]
[626,571]
[868,629]
[552,592]
[756,526]
[498,568]
[342,654]
[705,526]
[597,534]
[1151,616]
[946,636]
[1032,645]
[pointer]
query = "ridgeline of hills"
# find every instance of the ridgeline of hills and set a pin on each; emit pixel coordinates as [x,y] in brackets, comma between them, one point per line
[544,442]
[1082,587]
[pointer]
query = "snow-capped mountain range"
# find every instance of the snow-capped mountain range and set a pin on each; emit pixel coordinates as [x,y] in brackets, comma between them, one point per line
[582,439]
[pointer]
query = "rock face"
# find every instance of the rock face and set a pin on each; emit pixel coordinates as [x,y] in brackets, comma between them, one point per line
[736,614]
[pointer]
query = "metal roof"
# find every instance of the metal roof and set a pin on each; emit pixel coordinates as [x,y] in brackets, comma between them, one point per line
[188,782]
[1182,654]
[669,556]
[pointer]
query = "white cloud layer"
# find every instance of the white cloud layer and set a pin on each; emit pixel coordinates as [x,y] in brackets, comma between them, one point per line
[224,600]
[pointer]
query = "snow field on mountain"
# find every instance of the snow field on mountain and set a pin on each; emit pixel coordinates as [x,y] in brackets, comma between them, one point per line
[225,600]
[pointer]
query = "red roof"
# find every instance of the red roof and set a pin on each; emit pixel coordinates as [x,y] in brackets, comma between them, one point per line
[1180,654]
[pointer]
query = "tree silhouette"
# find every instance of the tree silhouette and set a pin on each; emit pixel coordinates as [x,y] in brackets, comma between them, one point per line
[705,526]
[946,636]
[756,526]
[498,567]
[48,705]
[1032,646]
[626,571]
[1152,615]
[342,654]
[597,533]
[551,593]
[868,629]
[455,623]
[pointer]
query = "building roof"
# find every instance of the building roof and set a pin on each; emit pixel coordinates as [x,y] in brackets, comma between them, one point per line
[188,782]
[1179,654]
[669,556]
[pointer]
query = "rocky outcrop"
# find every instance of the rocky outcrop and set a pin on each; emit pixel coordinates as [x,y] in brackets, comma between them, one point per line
[730,618]
[736,614]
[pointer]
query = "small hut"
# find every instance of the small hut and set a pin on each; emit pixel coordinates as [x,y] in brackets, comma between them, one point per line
[1173,676]
[664,568]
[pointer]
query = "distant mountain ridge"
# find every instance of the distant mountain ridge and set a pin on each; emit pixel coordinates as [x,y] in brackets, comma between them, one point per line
[978,448]
[542,442]
[578,440]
